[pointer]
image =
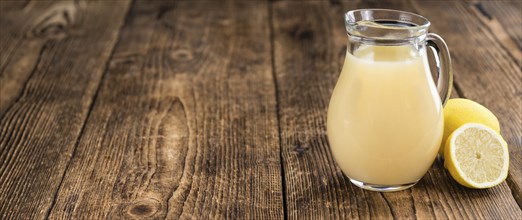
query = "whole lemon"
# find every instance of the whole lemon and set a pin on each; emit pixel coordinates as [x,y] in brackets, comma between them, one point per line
[461,111]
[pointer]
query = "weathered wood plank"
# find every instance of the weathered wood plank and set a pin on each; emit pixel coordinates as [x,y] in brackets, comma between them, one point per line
[308,54]
[53,56]
[487,70]
[185,124]
[503,18]
[24,31]
[306,64]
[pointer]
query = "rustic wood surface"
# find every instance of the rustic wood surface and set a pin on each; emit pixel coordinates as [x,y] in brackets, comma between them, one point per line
[217,109]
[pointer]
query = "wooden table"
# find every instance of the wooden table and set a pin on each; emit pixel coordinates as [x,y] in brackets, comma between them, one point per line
[216,109]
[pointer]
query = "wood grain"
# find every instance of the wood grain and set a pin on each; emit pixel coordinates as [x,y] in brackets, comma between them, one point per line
[208,109]
[307,54]
[185,124]
[22,41]
[503,18]
[49,89]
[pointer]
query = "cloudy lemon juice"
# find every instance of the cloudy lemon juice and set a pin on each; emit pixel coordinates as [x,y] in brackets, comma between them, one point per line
[385,119]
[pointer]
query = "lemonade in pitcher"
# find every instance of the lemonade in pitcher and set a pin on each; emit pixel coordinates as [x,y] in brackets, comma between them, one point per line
[385,119]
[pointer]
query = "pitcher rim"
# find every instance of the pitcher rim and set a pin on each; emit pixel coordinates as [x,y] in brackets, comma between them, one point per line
[350,18]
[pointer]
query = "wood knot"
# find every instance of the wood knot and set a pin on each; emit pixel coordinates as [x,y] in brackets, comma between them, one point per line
[483,11]
[300,148]
[306,35]
[181,55]
[302,34]
[53,24]
[127,65]
[143,208]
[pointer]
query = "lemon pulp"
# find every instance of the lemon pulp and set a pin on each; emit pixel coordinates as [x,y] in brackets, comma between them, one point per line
[477,156]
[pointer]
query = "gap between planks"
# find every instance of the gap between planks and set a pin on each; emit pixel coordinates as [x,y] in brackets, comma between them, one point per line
[276,89]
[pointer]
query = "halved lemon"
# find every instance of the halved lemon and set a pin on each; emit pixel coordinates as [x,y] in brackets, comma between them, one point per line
[477,156]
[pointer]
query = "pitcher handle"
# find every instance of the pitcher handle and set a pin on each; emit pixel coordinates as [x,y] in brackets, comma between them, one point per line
[444,69]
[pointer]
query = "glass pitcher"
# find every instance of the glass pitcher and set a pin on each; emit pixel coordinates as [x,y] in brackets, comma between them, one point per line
[385,118]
